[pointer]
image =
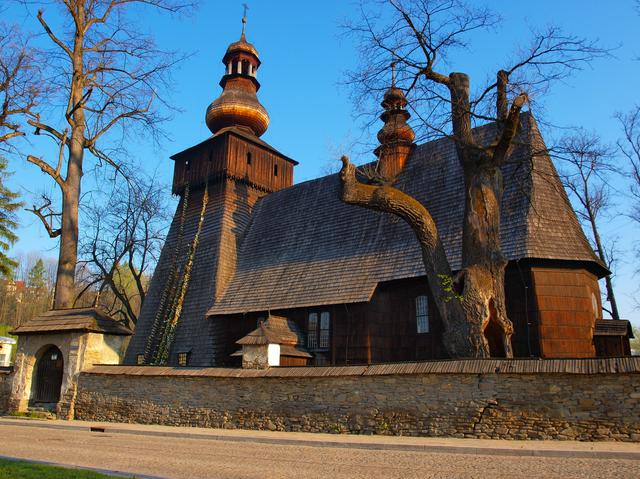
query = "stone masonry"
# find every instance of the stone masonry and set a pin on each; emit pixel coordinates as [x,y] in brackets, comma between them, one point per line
[547,405]
[6,376]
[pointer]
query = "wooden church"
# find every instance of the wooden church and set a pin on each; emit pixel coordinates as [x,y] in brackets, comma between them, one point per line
[251,256]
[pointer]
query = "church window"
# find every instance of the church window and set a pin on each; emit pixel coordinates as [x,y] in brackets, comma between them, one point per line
[324,330]
[275,170]
[140,359]
[183,358]
[248,158]
[312,331]
[318,330]
[422,314]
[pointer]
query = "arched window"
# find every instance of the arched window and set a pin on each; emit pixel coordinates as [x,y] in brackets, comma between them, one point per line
[422,314]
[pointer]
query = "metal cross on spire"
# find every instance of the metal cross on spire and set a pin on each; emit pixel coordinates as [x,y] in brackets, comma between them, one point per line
[393,74]
[244,17]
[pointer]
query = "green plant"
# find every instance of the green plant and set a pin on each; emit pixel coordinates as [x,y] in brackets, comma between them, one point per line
[448,288]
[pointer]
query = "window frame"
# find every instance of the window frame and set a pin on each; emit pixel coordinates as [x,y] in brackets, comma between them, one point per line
[319,336]
[421,311]
[186,355]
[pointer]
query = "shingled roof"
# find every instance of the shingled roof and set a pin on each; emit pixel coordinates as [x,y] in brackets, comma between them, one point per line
[277,330]
[305,247]
[613,327]
[91,320]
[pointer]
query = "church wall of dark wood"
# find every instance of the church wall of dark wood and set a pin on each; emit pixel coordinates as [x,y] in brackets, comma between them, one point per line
[385,329]
[522,310]
[236,157]
[203,161]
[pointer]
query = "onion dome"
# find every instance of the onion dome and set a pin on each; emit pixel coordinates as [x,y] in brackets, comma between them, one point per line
[238,104]
[396,136]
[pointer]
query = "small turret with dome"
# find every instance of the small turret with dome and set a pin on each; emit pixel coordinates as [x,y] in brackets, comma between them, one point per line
[396,136]
[238,105]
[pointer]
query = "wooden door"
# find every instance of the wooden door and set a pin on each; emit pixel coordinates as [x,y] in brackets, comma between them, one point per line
[49,376]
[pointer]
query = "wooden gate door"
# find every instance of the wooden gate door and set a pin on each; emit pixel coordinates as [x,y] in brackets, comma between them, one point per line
[49,376]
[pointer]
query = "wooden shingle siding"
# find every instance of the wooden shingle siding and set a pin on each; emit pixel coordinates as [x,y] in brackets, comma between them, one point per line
[227,214]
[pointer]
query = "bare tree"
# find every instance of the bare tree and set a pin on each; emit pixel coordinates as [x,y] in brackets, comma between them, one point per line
[122,245]
[111,76]
[630,148]
[19,85]
[587,164]
[418,36]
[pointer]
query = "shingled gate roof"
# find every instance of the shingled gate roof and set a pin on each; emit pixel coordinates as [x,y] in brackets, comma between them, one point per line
[305,247]
[91,320]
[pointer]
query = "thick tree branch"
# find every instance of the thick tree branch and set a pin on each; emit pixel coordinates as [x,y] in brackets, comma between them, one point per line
[510,130]
[48,169]
[53,37]
[46,219]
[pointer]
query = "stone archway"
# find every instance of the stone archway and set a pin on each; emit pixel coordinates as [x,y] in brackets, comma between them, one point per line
[47,377]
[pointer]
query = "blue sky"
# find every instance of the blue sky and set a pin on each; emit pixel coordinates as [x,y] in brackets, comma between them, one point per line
[304,58]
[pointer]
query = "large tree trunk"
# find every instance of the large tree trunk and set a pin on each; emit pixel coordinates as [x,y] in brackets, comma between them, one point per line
[68,257]
[482,274]
[483,265]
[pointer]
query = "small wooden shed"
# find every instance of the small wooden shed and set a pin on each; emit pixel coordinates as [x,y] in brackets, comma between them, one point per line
[611,337]
[277,341]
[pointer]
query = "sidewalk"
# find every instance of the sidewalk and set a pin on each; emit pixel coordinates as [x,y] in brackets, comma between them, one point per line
[592,450]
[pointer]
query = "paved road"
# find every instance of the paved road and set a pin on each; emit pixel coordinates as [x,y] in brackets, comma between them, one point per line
[200,457]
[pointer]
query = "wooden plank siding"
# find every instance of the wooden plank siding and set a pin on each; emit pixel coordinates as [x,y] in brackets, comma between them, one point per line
[384,329]
[261,170]
[566,314]
[226,155]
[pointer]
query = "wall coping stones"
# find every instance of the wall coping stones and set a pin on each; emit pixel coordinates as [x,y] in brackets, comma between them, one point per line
[622,365]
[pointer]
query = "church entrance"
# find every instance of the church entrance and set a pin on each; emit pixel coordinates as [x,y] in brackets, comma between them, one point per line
[48,376]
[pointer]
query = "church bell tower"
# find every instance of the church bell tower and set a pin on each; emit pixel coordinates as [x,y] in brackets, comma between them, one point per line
[218,182]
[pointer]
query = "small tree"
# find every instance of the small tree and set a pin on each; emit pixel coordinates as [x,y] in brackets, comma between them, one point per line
[418,36]
[587,166]
[8,222]
[108,76]
[37,278]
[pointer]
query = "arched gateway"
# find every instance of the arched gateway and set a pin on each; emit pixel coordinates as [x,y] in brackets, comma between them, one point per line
[48,376]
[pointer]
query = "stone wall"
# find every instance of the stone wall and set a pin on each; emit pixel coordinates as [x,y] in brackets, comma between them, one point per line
[546,405]
[6,376]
